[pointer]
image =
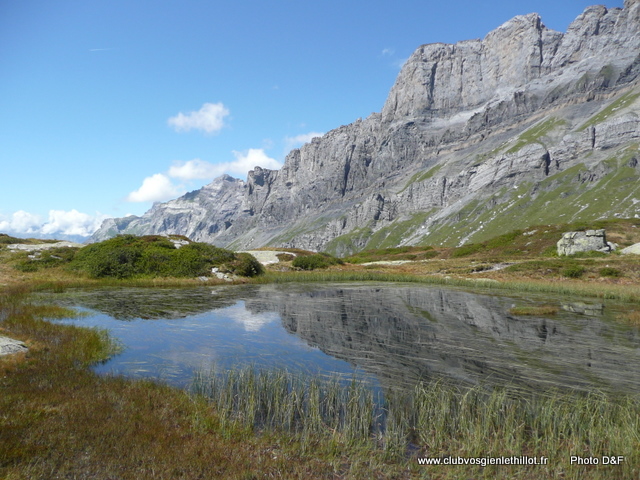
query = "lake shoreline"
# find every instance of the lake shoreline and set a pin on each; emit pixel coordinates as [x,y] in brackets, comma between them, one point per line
[52,385]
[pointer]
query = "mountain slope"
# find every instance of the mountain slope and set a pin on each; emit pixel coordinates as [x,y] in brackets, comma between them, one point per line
[523,127]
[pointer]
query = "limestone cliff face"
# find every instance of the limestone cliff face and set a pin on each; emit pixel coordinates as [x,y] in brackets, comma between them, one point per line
[489,131]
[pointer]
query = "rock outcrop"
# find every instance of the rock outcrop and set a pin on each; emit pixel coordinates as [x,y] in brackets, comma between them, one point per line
[631,250]
[587,241]
[526,126]
[9,346]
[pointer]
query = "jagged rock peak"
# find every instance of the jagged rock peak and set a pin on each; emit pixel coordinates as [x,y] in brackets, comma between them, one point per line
[464,124]
[444,79]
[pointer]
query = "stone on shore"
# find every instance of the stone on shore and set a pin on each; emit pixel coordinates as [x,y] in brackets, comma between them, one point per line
[9,346]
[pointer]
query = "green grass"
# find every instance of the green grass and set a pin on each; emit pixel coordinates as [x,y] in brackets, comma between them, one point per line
[542,310]
[393,234]
[619,104]
[421,177]
[609,272]
[386,237]
[536,133]
[581,200]
[392,253]
[614,292]
[353,241]
[60,420]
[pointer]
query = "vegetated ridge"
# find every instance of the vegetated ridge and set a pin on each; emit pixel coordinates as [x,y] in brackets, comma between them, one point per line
[527,126]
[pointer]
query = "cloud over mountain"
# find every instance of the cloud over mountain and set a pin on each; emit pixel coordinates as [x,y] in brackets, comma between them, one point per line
[209,119]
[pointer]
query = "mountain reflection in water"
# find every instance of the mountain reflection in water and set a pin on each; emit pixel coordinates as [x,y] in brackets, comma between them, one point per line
[399,333]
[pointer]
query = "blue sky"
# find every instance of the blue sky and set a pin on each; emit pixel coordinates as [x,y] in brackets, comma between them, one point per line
[110,105]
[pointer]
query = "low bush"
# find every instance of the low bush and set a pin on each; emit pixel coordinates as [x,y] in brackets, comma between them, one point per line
[8,239]
[246,265]
[609,272]
[574,271]
[46,259]
[128,256]
[319,260]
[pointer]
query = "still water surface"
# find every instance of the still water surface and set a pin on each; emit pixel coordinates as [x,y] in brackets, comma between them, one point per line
[397,334]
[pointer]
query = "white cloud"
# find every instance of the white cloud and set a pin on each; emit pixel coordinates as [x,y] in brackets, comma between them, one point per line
[299,140]
[248,160]
[23,222]
[155,188]
[210,119]
[244,161]
[194,169]
[159,187]
[251,322]
[387,52]
[63,222]
[72,222]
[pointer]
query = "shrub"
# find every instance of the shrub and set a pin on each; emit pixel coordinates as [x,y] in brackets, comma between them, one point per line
[609,272]
[8,239]
[46,259]
[318,260]
[246,265]
[117,257]
[574,271]
[27,266]
[196,259]
[285,257]
[126,256]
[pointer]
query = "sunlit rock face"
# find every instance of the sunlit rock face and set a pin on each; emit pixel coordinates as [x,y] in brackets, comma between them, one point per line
[473,138]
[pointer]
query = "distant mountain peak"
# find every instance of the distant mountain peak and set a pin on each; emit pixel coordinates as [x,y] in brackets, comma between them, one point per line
[523,127]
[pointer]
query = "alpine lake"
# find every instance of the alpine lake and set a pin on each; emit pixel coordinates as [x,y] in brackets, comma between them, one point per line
[389,335]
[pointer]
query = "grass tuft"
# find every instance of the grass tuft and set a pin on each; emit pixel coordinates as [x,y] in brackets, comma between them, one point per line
[537,311]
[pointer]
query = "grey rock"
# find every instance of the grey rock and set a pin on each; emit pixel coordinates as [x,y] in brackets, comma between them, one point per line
[631,250]
[267,257]
[221,275]
[9,346]
[23,247]
[587,241]
[521,128]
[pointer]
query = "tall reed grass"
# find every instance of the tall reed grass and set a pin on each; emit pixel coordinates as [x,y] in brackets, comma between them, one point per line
[432,419]
[277,399]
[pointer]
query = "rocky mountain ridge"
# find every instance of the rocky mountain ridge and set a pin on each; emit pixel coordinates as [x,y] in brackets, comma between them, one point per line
[526,126]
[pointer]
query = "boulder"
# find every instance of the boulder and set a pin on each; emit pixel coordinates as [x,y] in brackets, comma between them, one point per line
[589,240]
[632,250]
[9,346]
